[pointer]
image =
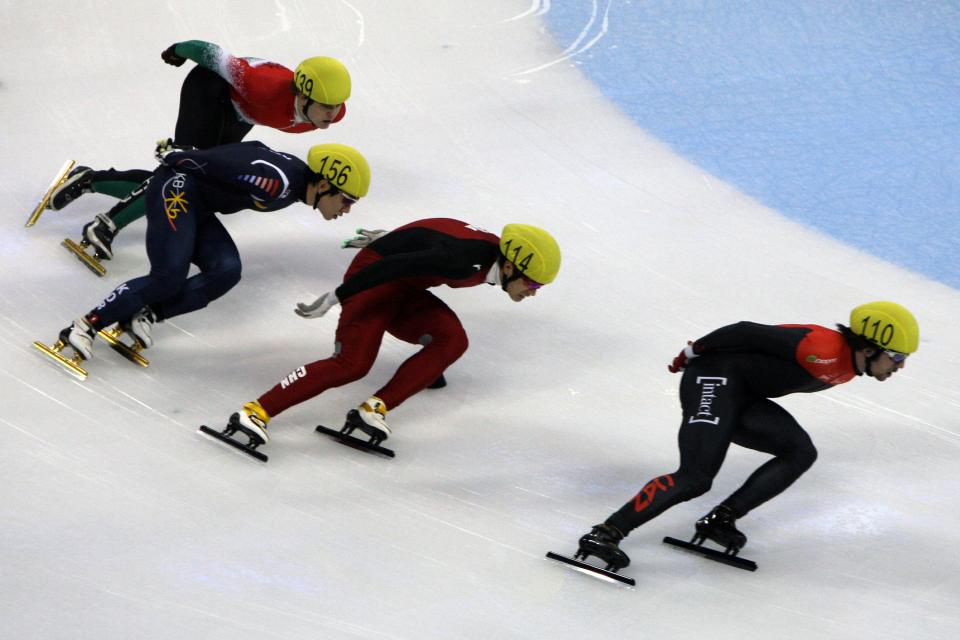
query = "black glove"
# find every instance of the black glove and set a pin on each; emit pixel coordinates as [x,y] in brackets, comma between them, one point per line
[172,58]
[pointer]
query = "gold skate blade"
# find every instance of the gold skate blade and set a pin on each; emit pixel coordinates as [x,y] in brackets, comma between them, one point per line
[71,366]
[91,262]
[112,338]
[57,181]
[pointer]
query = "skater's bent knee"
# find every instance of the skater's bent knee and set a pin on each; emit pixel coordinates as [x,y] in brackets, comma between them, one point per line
[690,487]
[804,458]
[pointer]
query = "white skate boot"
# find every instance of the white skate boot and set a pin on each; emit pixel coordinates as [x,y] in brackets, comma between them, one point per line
[80,336]
[252,420]
[371,418]
[141,326]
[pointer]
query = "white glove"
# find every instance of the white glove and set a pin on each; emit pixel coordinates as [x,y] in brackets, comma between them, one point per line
[366,237]
[166,147]
[318,307]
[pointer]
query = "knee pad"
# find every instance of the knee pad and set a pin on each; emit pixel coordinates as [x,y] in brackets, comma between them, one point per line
[453,342]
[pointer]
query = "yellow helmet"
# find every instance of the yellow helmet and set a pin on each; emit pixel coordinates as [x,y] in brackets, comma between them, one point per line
[343,167]
[886,324]
[534,251]
[323,80]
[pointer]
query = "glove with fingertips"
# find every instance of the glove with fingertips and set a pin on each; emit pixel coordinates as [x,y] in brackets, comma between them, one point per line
[170,56]
[318,307]
[167,146]
[683,358]
[365,237]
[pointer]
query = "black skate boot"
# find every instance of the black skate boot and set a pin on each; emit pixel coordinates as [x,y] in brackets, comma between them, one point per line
[439,383]
[718,525]
[77,183]
[100,234]
[602,542]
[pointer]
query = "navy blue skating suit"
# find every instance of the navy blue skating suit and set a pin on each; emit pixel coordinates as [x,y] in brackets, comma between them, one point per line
[182,198]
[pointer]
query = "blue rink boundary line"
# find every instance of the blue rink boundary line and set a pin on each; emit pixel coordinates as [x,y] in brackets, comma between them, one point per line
[840,115]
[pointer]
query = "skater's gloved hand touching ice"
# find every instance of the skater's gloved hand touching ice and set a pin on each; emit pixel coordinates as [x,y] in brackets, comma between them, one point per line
[170,57]
[318,307]
[366,237]
[683,358]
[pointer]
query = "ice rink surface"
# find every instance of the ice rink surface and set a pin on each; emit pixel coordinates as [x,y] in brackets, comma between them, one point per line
[119,521]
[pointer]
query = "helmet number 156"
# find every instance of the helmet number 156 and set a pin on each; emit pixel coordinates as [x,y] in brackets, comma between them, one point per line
[336,171]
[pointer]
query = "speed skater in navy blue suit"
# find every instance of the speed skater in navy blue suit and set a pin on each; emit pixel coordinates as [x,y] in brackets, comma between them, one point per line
[184,194]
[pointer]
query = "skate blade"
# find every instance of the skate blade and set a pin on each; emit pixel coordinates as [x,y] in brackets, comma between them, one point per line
[713,554]
[88,260]
[592,571]
[57,181]
[355,442]
[131,353]
[235,445]
[71,366]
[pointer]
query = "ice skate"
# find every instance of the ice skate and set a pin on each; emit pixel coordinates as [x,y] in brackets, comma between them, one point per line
[717,526]
[370,418]
[75,185]
[603,542]
[439,383]
[141,326]
[90,261]
[99,234]
[58,180]
[251,421]
[129,350]
[79,337]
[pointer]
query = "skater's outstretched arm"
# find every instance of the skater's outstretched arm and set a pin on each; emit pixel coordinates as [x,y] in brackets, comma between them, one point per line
[210,56]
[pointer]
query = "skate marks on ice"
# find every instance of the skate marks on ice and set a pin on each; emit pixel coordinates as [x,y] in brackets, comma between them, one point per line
[58,179]
[729,557]
[597,22]
[591,570]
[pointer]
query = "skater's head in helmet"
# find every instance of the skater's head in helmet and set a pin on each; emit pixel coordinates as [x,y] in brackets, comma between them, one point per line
[529,259]
[882,336]
[322,86]
[341,176]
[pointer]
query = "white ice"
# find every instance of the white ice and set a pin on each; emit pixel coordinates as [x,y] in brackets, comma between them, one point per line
[118,521]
